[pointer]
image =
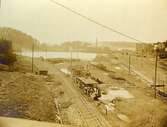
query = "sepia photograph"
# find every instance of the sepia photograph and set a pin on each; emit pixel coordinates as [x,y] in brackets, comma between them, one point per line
[83,63]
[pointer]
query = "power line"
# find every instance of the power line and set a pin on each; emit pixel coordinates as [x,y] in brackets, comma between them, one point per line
[94,21]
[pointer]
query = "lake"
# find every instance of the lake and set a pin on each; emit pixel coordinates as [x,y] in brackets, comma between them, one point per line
[65,55]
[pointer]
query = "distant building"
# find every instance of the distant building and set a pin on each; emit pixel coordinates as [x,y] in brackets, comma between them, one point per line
[162,48]
[147,49]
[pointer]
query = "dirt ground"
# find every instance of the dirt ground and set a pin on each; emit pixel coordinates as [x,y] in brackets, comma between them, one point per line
[30,96]
[55,98]
[142,110]
[146,66]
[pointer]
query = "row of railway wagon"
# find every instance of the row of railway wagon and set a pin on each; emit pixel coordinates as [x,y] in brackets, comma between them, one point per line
[89,84]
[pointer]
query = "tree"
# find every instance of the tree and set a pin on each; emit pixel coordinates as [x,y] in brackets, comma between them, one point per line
[7,56]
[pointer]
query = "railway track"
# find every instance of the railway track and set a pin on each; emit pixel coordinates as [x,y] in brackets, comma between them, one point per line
[161,92]
[89,115]
[98,122]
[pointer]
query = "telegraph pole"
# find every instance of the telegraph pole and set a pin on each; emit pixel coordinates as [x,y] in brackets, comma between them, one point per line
[155,75]
[96,43]
[129,64]
[38,49]
[46,53]
[156,49]
[71,57]
[32,57]
[77,51]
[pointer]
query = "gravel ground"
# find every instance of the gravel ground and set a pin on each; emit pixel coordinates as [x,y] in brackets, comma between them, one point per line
[142,110]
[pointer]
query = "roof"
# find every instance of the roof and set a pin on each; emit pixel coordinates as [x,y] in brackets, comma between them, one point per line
[87,81]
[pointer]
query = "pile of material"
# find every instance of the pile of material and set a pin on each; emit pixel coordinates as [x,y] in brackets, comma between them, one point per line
[80,71]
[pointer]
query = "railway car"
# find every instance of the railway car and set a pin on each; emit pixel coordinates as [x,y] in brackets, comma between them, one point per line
[89,86]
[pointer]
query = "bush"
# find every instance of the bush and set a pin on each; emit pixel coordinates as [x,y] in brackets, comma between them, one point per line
[6,54]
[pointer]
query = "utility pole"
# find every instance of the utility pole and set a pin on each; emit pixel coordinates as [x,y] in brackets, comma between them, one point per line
[32,57]
[46,53]
[0,3]
[156,49]
[129,64]
[96,43]
[78,54]
[155,75]
[77,51]
[97,47]
[71,57]
[38,49]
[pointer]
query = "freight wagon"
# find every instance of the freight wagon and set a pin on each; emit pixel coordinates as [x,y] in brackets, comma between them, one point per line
[89,86]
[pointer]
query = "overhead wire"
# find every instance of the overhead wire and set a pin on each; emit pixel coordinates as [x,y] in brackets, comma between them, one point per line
[95,22]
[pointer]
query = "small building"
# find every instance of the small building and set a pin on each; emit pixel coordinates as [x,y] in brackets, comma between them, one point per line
[162,48]
[145,49]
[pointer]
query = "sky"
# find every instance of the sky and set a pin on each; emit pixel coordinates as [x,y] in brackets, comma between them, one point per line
[145,20]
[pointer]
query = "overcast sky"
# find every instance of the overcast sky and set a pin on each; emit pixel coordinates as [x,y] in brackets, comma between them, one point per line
[145,20]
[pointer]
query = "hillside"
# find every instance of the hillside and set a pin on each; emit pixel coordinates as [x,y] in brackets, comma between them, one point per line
[20,40]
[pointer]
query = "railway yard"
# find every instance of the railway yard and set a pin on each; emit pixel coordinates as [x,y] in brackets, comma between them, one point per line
[98,93]
[82,63]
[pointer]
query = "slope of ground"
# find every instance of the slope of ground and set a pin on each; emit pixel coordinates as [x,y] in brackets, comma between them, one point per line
[26,95]
[20,40]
